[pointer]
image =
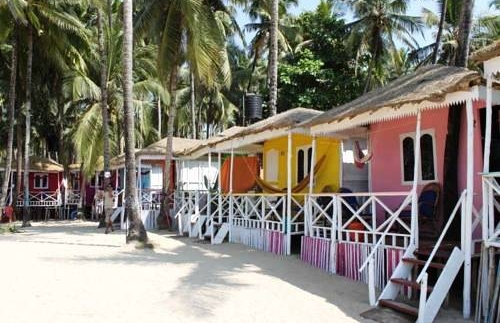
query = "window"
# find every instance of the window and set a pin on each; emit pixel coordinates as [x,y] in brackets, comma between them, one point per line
[304,158]
[272,165]
[100,179]
[75,180]
[427,156]
[41,181]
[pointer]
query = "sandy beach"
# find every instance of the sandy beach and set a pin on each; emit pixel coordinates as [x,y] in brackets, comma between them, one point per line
[73,272]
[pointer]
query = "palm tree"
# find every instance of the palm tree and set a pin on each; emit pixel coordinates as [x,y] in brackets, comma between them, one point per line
[189,33]
[104,91]
[27,115]
[10,119]
[437,45]
[136,231]
[377,23]
[273,58]
[450,169]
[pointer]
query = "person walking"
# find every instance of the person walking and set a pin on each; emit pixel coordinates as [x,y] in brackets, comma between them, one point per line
[109,203]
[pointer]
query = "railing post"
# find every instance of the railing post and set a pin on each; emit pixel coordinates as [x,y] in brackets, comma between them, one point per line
[371,283]
[423,299]
[416,174]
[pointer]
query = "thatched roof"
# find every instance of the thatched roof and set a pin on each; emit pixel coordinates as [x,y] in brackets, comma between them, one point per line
[159,149]
[282,120]
[486,53]
[427,84]
[179,145]
[40,164]
[214,140]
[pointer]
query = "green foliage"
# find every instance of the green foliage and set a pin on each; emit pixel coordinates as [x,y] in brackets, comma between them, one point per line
[321,74]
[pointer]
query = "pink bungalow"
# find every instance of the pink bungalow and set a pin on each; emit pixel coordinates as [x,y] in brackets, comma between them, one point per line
[399,226]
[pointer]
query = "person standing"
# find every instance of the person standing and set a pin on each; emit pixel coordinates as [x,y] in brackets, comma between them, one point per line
[109,203]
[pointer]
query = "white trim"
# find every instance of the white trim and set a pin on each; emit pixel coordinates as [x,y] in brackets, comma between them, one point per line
[402,136]
[35,186]
[305,149]
[393,113]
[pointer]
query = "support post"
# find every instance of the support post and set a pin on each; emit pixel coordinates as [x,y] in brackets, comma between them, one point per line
[371,283]
[308,209]
[289,156]
[139,179]
[231,200]
[209,220]
[219,188]
[468,213]
[416,175]
[486,158]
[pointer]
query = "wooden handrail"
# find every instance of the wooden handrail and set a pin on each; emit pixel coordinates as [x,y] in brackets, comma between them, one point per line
[441,237]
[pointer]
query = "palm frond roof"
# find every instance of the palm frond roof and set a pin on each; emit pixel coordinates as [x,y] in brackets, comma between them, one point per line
[429,84]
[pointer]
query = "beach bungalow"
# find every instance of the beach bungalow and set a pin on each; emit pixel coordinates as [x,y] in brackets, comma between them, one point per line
[45,176]
[399,225]
[264,180]
[150,163]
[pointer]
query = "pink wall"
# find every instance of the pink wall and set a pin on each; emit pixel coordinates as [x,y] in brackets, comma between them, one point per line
[386,168]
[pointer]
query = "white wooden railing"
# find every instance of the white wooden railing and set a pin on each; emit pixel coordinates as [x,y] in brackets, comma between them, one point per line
[40,199]
[491,205]
[258,211]
[326,218]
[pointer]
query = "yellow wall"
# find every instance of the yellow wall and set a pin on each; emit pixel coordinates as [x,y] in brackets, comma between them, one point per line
[328,174]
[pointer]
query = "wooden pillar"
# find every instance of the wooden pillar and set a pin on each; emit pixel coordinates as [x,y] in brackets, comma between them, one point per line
[139,179]
[288,228]
[219,188]
[209,219]
[416,175]
[486,157]
[468,213]
[231,201]
[308,214]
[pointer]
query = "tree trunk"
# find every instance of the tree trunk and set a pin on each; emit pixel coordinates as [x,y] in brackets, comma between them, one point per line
[10,121]
[104,95]
[193,105]
[273,58]
[442,19]
[464,30]
[172,110]
[29,65]
[136,231]
[19,162]
[450,168]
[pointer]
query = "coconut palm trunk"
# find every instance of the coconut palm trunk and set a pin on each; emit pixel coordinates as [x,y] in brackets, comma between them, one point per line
[193,104]
[450,168]
[104,94]
[27,135]
[273,58]
[172,111]
[19,163]
[136,231]
[10,120]
[442,19]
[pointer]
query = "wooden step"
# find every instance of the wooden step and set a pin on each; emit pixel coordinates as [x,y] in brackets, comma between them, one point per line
[422,262]
[440,253]
[409,283]
[400,307]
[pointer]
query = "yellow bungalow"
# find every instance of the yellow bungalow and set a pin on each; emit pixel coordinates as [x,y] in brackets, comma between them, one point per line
[264,180]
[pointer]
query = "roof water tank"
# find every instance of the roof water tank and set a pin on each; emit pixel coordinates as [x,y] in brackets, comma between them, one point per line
[253,106]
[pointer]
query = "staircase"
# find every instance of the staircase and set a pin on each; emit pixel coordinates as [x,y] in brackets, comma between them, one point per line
[221,233]
[431,297]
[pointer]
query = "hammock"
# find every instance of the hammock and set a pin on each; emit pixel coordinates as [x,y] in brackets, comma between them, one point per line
[359,158]
[266,187]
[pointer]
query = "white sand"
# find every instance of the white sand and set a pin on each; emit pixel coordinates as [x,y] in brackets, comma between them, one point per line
[72,272]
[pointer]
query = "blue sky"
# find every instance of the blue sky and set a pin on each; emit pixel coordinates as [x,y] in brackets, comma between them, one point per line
[481,8]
